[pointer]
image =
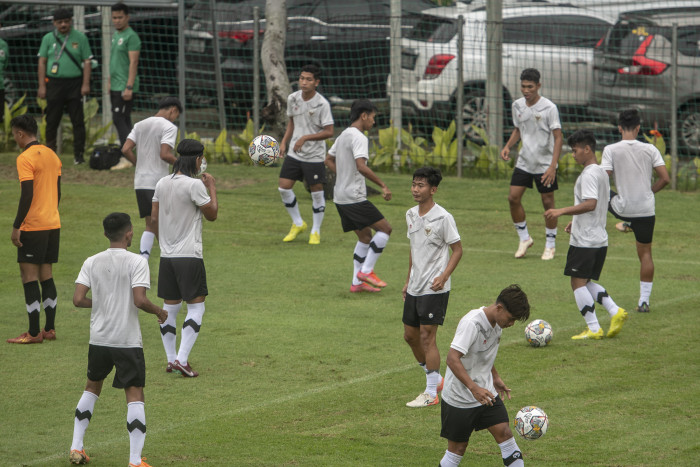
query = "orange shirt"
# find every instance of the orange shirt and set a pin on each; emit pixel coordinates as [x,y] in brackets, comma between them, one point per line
[42,165]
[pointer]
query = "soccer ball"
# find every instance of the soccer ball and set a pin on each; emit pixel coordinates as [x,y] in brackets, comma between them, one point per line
[538,333]
[264,150]
[531,422]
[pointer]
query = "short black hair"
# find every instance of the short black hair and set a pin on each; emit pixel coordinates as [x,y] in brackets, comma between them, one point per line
[189,150]
[313,69]
[629,119]
[25,123]
[120,7]
[116,225]
[170,101]
[431,174]
[515,301]
[62,13]
[359,107]
[530,74]
[582,138]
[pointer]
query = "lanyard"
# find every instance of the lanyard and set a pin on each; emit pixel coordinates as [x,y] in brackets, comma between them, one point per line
[63,46]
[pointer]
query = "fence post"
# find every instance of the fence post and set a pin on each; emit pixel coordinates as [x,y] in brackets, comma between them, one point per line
[217,66]
[256,70]
[181,65]
[395,70]
[494,71]
[674,106]
[106,14]
[459,115]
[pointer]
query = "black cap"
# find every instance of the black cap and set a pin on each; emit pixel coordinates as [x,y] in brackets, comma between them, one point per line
[190,148]
[62,13]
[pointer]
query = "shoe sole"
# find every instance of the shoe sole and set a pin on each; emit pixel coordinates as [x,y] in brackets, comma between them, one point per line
[370,281]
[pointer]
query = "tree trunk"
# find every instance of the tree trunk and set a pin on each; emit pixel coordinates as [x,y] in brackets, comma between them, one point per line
[274,114]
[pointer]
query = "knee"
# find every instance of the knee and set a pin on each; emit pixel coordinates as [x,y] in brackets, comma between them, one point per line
[514,200]
[387,230]
[410,338]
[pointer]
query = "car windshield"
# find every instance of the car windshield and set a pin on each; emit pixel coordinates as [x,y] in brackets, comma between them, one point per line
[434,29]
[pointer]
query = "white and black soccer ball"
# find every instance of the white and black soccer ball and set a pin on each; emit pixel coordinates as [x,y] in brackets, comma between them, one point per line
[538,333]
[531,422]
[264,150]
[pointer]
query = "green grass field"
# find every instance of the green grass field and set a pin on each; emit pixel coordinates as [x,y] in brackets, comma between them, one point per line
[296,371]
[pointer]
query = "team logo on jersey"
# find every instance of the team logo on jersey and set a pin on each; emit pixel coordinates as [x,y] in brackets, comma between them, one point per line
[428,230]
[74,45]
[538,117]
[2,53]
[120,41]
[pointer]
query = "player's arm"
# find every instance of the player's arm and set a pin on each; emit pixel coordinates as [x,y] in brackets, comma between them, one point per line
[550,174]
[143,303]
[210,211]
[408,277]
[41,72]
[663,178]
[87,70]
[287,137]
[482,395]
[80,298]
[166,153]
[363,168]
[155,206]
[498,383]
[581,208]
[324,134]
[128,150]
[25,202]
[58,188]
[131,79]
[439,281]
[330,162]
[512,141]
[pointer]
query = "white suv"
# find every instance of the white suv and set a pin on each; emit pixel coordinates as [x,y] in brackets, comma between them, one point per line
[557,40]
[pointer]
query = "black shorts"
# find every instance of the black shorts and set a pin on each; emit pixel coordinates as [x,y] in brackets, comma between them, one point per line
[643,227]
[39,246]
[522,178]
[182,279]
[357,216]
[585,263]
[130,364]
[294,169]
[458,424]
[144,198]
[425,309]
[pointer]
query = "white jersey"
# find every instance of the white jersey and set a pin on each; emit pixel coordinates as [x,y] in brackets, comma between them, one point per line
[430,237]
[309,118]
[536,125]
[350,184]
[478,341]
[148,135]
[111,275]
[588,229]
[179,217]
[632,163]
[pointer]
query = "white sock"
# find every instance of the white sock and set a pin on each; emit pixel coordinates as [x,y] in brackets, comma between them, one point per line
[290,202]
[376,246]
[432,379]
[168,331]
[136,424]
[450,459]
[586,306]
[190,330]
[512,457]
[83,414]
[146,243]
[318,204]
[425,369]
[358,258]
[550,237]
[644,292]
[521,228]
[601,296]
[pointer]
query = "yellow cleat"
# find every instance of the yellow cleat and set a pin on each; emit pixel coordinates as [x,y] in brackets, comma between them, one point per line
[314,238]
[588,334]
[616,323]
[294,231]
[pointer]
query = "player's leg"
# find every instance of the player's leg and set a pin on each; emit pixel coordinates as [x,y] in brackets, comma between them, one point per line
[411,332]
[29,273]
[55,100]
[192,280]
[290,172]
[74,106]
[519,182]
[510,452]
[646,275]
[586,306]
[581,266]
[119,115]
[377,244]
[550,227]
[359,256]
[135,422]
[144,199]
[83,415]
[169,291]
[433,379]
[456,427]
[315,176]
[453,455]
[49,298]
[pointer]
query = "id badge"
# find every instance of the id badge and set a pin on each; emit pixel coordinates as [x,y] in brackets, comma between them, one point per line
[54,68]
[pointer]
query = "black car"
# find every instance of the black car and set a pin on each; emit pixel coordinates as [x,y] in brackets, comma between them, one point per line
[348,40]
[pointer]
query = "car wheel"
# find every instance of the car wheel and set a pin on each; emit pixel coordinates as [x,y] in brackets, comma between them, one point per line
[474,112]
[689,129]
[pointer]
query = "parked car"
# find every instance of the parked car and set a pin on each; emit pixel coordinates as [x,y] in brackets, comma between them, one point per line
[557,40]
[348,40]
[633,69]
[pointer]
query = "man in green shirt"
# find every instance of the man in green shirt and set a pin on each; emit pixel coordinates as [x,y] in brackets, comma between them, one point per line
[123,65]
[64,78]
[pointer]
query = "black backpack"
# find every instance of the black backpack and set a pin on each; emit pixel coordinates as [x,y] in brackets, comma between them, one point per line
[104,157]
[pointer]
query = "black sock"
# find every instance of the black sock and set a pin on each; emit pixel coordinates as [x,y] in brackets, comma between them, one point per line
[31,299]
[48,297]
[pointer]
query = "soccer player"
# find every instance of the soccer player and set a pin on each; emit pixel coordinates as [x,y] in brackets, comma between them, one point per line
[123,67]
[179,202]
[537,124]
[589,240]
[631,163]
[36,230]
[472,398]
[154,139]
[310,124]
[432,232]
[348,159]
[118,280]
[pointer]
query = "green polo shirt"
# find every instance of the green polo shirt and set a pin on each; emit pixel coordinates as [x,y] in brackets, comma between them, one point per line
[76,44]
[4,54]
[123,42]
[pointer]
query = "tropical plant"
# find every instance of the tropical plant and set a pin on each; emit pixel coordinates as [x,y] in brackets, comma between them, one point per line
[16,110]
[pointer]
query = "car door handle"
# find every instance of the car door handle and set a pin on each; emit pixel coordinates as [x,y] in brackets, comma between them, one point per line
[319,38]
[579,62]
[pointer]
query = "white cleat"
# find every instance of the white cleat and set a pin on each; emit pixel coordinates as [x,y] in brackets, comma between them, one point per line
[548,254]
[424,400]
[523,246]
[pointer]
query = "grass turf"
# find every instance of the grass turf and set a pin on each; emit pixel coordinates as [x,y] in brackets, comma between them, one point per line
[295,370]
